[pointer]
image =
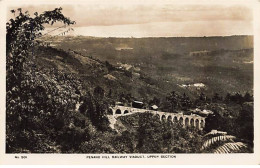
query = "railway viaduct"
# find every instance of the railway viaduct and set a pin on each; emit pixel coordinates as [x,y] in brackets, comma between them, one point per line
[186,120]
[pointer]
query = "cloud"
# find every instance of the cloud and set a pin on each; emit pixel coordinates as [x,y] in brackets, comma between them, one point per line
[116,15]
[156,20]
[169,29]
[107,15]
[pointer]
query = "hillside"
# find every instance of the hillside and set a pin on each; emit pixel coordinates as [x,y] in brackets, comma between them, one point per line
[59,91]
[157,66]
[66,76]
[94,72]
[59,80]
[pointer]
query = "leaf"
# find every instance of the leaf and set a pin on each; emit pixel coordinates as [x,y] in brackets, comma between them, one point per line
[222,138]
[231,147]
[214,132]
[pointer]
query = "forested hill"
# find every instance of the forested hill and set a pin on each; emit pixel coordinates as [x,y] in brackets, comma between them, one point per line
[108,48]
[54,81]
[92,73]
[59,91]
[168,63]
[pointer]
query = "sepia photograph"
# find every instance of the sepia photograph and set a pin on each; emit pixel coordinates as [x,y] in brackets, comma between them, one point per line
[129,78]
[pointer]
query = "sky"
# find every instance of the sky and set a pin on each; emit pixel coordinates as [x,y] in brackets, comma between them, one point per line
[160,20]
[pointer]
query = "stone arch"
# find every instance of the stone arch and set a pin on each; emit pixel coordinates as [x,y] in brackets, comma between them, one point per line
[186,121]
[158,116]
[118,111]
[163,118]
[110,111]
[192,122]
[202,124]
[175,119]
[197,123]
[181,120]
[126,111]
[169,118]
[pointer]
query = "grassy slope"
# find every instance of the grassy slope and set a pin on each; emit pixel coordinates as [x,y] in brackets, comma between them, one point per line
[127,123]
[92,72]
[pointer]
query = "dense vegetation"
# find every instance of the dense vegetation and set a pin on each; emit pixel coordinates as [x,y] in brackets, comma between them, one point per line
[167,63]
[58,101]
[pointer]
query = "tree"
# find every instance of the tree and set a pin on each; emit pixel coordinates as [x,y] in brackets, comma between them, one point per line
[155,136]
[216,98]
[149,134]
[109,93]
[122,97]
[155,101]
[99,92]
[173,99]
[248,97]
[78,130]
[96,108]
[30,108]
[214,121]
[237,98]
[185,102]
[98,144]
[219,142]
[124,143]
[202,97]
[110,67]
[21,33]
[228,98]
[245,123]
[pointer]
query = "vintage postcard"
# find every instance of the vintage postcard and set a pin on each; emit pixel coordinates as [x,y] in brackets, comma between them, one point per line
[129,82]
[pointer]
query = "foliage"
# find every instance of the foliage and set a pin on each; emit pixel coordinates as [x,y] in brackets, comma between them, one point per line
[155,101]
[245,123]
[174,100]
[125,143]
[96,108]
[156,136]
[234,118]
[21,33]
[232,147]
[35,102]
[219,142]
[44,106]
[75,132]
[42,114]
[216,139]
[185,101]
[99,143]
